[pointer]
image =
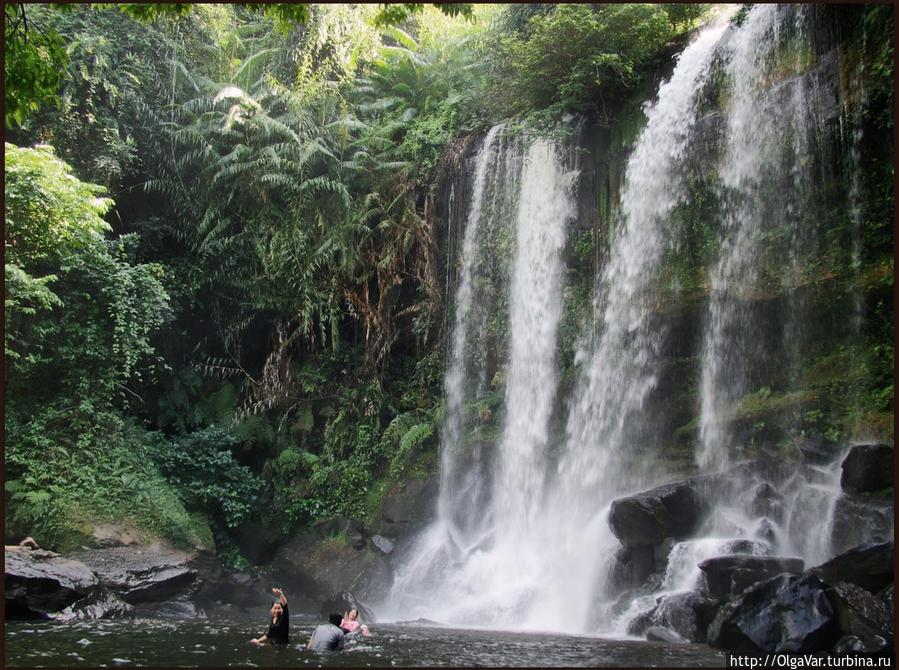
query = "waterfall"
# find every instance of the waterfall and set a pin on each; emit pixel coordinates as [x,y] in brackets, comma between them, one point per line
[538,520]
[489,502]
[545,208]
[522,537]
[766,183]
[622,369]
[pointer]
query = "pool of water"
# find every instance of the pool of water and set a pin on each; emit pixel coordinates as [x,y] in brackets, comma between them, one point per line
[218,642]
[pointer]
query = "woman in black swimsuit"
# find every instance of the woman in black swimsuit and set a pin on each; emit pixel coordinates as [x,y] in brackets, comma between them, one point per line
[277,630]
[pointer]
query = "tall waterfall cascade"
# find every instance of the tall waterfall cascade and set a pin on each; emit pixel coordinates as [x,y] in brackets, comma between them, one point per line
[522,536]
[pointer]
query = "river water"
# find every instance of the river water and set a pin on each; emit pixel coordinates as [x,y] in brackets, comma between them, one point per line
[218,642]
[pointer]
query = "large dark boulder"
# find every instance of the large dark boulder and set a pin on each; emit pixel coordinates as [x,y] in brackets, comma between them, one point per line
[858,519]
[726,576]
[40,583]
[787,613]
[869,566]
[867,467]
[142,574]
[340,603]
[860,613]
[687,613]
[647,518]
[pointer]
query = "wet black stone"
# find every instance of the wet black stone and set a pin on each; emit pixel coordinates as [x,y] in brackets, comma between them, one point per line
[688,614]
[726,576]
[867,467]
[788,613]
[869,566]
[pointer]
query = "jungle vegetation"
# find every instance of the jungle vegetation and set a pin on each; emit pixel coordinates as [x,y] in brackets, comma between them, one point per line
[224,299]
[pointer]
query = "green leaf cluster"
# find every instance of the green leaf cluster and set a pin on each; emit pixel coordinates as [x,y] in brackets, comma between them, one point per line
[202,467]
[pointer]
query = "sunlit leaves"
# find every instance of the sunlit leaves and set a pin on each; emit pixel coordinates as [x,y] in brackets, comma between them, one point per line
[34,62]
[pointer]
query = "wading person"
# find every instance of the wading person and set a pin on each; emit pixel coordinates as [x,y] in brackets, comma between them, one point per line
[278,628]
[352,626]
[328,636]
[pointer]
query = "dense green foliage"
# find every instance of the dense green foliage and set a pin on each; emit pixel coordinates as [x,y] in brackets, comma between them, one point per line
[587,57]
[246,323]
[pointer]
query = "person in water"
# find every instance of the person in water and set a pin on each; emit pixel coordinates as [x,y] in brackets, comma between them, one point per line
[351,625]
[328,636]
[278,628]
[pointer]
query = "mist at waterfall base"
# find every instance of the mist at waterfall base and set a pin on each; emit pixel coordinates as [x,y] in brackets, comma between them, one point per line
[521,538]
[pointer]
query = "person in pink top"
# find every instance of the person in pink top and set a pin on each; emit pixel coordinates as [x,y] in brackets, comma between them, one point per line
[350,623]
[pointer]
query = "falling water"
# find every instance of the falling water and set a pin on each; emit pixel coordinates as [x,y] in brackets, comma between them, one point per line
[537,519]
[622,369]
[545,208]
[458,370]
[521,537]
[488,502]
[766,188]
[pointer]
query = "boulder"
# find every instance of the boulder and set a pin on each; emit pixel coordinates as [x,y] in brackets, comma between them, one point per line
[647,518]
[687,613]
[382,543]
[869,566]
[99,605]
[343,602]
[860,613]
[662,634]
[787,613]
[859,519]
[142,574]
[726,576]
[867,467]
[39,582]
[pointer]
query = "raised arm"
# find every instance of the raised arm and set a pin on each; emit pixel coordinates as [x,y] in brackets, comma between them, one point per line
[281,596]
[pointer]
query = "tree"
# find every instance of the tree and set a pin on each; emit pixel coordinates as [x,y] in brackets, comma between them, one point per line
[35,57]
[78,313]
